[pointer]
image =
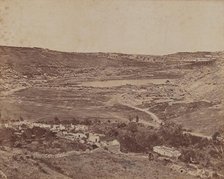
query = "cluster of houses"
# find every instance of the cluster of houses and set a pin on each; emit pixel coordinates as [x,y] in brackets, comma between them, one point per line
[190,169]
[70,132]
[80,133]
[52,127]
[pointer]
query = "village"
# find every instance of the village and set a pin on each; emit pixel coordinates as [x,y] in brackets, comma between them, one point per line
[70,132]
[79,133]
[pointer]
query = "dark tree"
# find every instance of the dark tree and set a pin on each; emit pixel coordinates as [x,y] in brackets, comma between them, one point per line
[137,118]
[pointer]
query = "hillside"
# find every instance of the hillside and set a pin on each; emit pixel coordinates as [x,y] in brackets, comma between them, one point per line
[109,110]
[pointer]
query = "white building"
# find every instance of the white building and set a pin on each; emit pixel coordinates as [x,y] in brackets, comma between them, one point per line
[74,136]
[94,138]
[178,168]
[80,127]
[57,128]
[61,127]
[79,135]
[166,151]
[114,146]
[6,125]
[72,127]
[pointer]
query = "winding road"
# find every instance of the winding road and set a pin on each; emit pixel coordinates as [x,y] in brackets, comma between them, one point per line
[155,118]
[154,121]
[152,115]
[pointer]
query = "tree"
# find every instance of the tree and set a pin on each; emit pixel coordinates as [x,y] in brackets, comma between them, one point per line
[56,120]
[132,127]
[137,118]
[215,135]
[129,118]
[172,134]
[21,118]
[188,156]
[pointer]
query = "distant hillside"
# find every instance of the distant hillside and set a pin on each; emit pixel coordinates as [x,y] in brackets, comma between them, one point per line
[36,61]
[207,82]
[204,81]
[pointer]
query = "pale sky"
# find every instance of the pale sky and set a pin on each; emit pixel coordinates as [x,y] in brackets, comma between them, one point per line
[127,26]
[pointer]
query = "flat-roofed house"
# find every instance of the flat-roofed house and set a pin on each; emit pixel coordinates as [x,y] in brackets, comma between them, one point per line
[167,151]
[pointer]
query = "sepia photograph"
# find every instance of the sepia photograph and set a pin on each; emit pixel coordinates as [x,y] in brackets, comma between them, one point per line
[111,89]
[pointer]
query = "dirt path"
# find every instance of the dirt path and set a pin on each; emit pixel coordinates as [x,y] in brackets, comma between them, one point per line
[3,175]
[198,135]
[155,118]
[156,121]
[70,153]
[11,91]
[62,154]
[152,115]
[59,155]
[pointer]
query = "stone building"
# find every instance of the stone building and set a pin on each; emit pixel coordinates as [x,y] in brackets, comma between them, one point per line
[166,151]
[94,138]
[114,146]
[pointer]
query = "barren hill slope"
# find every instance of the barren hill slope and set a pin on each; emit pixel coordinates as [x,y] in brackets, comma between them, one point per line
[207,83]
[44,76]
